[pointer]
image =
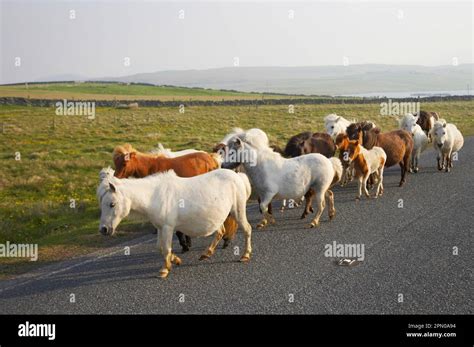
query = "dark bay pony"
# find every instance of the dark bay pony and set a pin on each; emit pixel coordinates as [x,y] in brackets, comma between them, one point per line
[131,163]
[397,144]
[426,121]
[308,142]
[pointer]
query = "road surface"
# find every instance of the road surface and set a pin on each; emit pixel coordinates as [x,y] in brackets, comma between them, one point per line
[409,265]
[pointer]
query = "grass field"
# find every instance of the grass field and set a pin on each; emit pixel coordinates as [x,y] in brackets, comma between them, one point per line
[61,157]
[116,91]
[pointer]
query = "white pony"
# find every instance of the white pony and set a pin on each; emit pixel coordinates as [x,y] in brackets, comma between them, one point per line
[420,139]
[167,152]
[197,206]
[335,125]
[260,138]
[447,140]
[274,176]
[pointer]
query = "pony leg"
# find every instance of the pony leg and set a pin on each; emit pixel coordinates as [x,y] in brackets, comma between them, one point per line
[448,161]
[309,200]
[183,241]
[267,217]
[343,178]
[440,160]
[248,242]
[240,214]
[331,209]
[212,247]
[364,183]
[321,204]
[230,226]
[417,158]
[403,170]
[379,191]
[165,239]
[361,179]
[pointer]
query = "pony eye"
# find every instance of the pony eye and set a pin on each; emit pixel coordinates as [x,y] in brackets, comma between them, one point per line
[112,204]
[332,126]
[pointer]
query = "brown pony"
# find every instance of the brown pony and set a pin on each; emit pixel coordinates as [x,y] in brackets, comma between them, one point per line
[308,142]
[397,144]
[426,120]
[131,163]
[342,144]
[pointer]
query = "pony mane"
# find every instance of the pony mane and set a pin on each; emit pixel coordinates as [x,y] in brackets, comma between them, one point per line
[256,138]
[123,150]
[439,123]
[234,132]
[106,173]
[160,150]
[127,148]
[330,117]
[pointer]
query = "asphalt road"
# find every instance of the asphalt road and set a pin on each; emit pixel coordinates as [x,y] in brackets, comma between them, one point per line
[408,251]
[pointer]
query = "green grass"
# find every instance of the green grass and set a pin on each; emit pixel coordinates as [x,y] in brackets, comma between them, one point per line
[123,89]
[61,157]
[119,91]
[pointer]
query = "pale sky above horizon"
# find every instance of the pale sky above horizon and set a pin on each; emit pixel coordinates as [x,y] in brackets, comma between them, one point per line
[103,34]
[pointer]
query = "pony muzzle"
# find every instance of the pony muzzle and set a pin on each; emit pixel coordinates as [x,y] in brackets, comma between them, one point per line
[106,231]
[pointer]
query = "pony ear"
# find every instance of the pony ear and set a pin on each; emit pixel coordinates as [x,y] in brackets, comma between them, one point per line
[444,125]
[338,118]
[356,142]
[112,187]
[238,141]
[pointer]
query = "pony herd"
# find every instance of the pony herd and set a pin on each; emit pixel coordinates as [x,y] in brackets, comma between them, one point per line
[195,193]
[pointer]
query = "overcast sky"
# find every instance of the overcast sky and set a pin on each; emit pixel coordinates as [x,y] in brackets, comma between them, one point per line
[152,35]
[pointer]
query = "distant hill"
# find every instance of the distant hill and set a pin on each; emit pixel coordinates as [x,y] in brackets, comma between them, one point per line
[317,80]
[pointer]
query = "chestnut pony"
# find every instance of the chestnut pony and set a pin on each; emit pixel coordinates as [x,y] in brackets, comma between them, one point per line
[131,163]
[397,144]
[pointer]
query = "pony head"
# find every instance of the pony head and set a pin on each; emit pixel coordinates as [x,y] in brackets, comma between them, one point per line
[238,152]
[438,133]
[113,204]
[123,156]
[353,150]
[354,131]
[342,142]
[409,123]
[334,125]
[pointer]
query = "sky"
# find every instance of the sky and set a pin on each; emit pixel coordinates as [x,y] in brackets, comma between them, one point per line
[92,39]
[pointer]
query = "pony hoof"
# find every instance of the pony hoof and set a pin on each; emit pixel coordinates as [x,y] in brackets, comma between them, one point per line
[311,209]
[204,257]
[164,273]
[184,249]
[313,225]
[226,244]
[357,198]
[261,225]
[177,261]
[245,259]
[331,216]
[303,216]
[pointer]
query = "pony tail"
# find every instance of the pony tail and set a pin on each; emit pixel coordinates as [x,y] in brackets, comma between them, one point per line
[337,167]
